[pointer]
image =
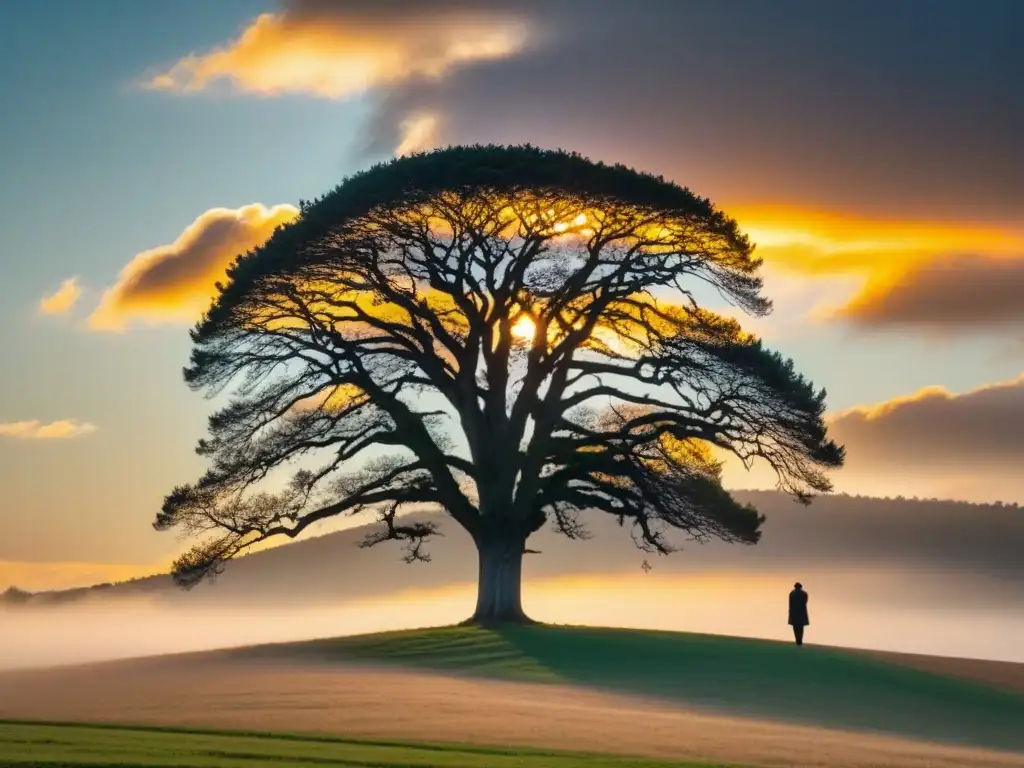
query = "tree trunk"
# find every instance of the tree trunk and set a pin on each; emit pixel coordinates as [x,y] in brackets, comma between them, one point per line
[499,585]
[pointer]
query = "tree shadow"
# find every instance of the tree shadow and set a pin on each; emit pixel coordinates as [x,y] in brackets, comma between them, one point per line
[780,681]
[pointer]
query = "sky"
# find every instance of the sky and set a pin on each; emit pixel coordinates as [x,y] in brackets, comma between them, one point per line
[871,150]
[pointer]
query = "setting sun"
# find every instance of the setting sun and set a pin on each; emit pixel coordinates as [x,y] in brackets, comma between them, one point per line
[524,328]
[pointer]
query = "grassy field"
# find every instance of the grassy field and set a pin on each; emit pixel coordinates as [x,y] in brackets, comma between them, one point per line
[53,745]
[342,686]
[809,685]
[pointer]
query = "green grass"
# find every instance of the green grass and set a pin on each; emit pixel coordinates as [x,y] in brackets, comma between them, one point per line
[96,746]
[811,685]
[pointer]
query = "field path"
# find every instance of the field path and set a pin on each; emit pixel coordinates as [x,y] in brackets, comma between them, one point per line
[221,691]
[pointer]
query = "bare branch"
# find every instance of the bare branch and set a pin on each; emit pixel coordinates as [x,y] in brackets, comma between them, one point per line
[414,534]
[508,334]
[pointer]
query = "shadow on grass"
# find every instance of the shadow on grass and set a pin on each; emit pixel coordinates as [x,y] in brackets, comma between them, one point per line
[778,680]
[809,685]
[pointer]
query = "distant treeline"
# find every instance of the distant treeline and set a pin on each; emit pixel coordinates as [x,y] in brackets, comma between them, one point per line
[955,534]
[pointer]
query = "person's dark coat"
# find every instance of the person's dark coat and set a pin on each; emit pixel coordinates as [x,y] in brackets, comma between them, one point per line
[798,616]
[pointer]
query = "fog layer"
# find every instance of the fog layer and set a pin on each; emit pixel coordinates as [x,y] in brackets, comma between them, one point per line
[919,577]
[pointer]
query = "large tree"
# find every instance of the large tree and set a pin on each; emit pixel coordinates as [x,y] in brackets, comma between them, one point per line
[511,335]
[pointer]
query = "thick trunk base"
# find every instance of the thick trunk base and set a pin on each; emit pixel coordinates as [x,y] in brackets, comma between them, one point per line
[499,587]
[489,623]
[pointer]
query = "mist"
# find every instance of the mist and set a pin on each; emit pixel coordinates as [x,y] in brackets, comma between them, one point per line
[918,612]
[931,577]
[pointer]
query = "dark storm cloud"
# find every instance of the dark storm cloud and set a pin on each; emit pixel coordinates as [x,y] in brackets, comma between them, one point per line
[908,109]
[913,108]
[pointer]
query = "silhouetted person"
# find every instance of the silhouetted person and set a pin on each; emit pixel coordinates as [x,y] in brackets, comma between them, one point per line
[798,618]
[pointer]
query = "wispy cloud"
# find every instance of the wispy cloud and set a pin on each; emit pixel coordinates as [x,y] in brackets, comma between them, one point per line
[821,242]
[174,283]
[419,132]
[63,299]
[330,52]
[34,429]
[956,293]
[873,273]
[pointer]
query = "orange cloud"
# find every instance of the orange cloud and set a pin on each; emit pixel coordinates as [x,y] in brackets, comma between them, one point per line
[334,53]
[823,243]
[947,293]
[876,272]
[63,299]
[34,429]
[174,283]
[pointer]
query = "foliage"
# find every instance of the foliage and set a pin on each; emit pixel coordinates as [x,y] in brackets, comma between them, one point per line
[511,334]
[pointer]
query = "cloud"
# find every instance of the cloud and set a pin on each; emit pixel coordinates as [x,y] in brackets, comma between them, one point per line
[419,133]
[818,264]
[932,443]
[63,299]
[812,241]
[939,433]
[33,429]
[878,273]
[913,135]
[886,122]
[334,51]
[174,283]
[898,113]
[950,293]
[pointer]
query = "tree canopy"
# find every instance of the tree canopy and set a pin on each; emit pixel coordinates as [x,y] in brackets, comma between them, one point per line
[512,335]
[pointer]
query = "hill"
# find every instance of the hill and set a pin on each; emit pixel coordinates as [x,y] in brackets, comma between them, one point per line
[522,681]
[756,678]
